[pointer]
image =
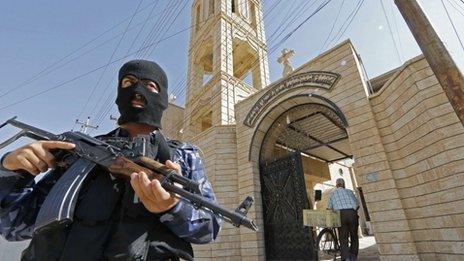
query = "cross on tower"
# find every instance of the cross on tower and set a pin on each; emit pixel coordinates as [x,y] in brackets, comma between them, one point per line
[285,60]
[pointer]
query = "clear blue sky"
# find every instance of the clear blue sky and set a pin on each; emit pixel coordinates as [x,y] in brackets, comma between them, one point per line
[37,34]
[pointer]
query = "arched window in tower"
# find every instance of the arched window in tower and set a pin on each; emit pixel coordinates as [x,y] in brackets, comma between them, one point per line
[206,121]
[253,17]
[232,2]
[243,8]
[246,63]
[211,7]
[197,17]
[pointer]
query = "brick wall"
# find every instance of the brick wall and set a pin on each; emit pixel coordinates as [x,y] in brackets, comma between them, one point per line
[424,143]
[218,145]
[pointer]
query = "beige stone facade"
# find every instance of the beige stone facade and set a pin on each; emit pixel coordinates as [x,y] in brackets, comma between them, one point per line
[406,141]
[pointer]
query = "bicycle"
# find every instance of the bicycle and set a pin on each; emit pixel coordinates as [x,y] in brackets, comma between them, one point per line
[327,241]
[327,244]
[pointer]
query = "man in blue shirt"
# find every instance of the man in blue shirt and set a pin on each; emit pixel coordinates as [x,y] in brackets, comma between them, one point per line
[114,219]
[344,200]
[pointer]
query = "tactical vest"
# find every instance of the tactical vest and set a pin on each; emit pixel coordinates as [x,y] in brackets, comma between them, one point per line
[109,224]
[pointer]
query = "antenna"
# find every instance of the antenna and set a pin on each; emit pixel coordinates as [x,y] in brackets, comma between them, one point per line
[115,119]
[85,125]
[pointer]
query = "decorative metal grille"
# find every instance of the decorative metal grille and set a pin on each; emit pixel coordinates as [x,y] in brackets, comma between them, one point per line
[284,198]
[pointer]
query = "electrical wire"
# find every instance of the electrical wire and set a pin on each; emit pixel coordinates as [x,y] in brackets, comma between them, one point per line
[47,69]
[110,104]
[452,24]
[108,63]
[142,27]
[179,88]
[150,53]
[84,74]
[291,19]
[117,60]
[154,32]
[302,23]
[346,24]
[333,26]
[258,60]
[397,32]
[458,8]
[391,32]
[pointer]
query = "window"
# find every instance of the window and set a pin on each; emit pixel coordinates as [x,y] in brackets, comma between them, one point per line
[211,7]
[253,15]
[243,8]
[206,121]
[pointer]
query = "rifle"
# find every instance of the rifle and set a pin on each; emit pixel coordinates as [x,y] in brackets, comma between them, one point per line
[58,207]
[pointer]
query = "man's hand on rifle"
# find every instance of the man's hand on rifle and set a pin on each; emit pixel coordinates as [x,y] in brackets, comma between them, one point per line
[153,196]
[34,157]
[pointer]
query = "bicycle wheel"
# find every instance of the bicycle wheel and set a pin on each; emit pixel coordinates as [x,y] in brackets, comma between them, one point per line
[326,246]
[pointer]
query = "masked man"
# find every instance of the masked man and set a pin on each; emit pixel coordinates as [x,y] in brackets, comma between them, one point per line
[115,219]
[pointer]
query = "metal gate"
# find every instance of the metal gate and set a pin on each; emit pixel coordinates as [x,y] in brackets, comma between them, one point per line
[284,198]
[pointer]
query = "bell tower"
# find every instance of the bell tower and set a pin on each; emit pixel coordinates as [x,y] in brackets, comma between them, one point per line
[227,61]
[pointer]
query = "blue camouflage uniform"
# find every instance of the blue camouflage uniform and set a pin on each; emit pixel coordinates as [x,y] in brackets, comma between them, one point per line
[21,197]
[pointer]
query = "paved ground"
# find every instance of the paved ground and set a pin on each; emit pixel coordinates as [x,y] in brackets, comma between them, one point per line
[367,250]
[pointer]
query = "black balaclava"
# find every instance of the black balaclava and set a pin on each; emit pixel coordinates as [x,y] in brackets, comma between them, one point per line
[156,103]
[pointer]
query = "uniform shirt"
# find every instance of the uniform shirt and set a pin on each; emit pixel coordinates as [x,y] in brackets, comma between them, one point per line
[21,198]
[341,198]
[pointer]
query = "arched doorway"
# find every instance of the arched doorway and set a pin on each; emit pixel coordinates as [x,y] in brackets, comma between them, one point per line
[314,129]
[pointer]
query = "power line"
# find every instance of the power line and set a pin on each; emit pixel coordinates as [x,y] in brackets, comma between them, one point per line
[177,90]
[49,69]
[286,18]
[117,60]
[452,24]
[154,32]
[458,8]
[155,27]
[333,26]
[304,21]
[346,24]
[106,108]
[273,7]
[109,104]
[143,26]
[109,61]
[85,74]
[169,27]
[54,64]
[108,101]
[397,31]
[391,32]
[271,51]
[291,19]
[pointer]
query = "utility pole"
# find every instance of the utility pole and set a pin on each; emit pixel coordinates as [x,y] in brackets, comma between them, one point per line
[115,119]
[85,125]
[446,71]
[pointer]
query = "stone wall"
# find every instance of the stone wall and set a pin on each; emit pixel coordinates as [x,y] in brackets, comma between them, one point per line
[349,94]
[424,144]
[172,121]
[218,145]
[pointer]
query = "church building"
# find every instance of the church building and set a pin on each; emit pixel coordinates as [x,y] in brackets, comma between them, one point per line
[275,141]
